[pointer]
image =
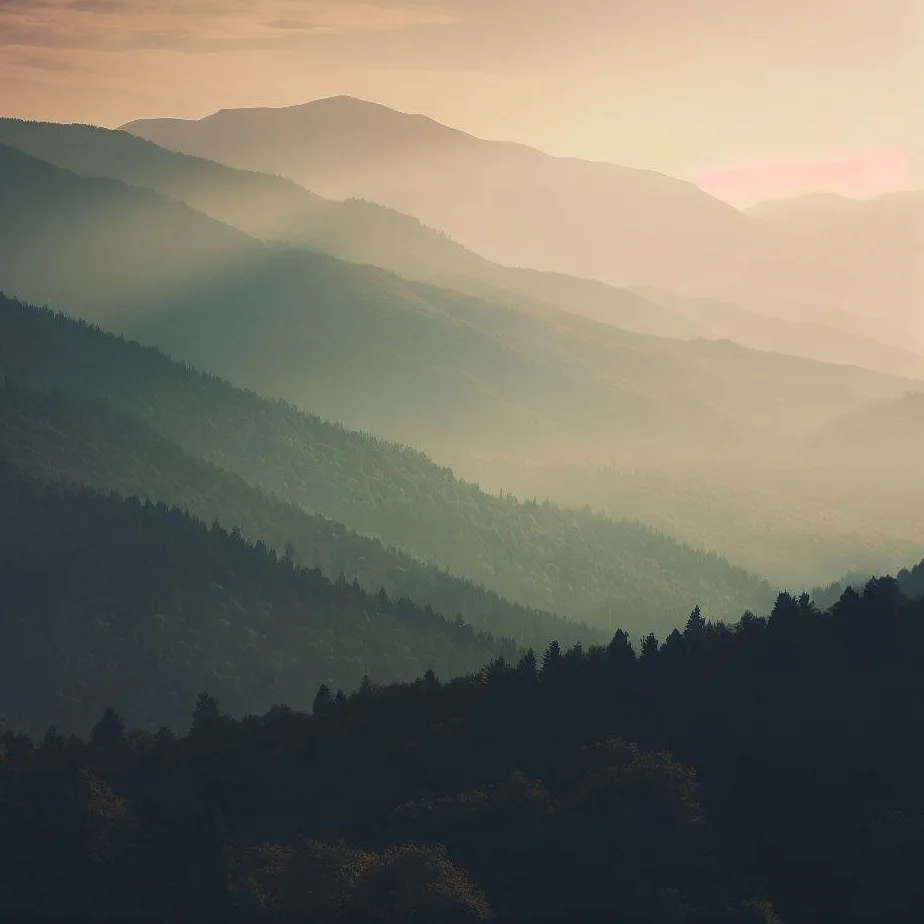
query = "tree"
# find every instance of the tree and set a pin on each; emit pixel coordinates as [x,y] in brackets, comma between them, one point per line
[323,701]
[552,656]
[696,625]
[528,665]
[620,649]
[649,646]
[52,743]
[109,731]
[365,688]
[206,715]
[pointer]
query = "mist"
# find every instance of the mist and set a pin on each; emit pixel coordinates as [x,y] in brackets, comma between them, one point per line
[451,448]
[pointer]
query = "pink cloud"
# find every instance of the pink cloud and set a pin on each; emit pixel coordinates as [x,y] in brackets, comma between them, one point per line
[859,174]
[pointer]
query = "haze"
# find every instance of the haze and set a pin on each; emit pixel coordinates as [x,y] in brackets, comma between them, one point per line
[461,461]
[693,89]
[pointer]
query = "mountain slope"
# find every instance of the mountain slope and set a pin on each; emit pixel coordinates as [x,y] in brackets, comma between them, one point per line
[830,340]
[427,366]
[519,206]
[271,207]
[110,601]
[54,438]
[274,208]
[60,233]
[571,562]
[799,525]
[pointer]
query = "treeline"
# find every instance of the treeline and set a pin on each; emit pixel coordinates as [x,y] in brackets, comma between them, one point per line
[574,563]
[776,776]
[910,581]
[108,600]
[53,437]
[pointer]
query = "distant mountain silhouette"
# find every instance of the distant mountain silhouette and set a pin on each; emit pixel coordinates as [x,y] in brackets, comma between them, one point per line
[519,206]
[272,208]
[831,340]
[427,366]
[360,231]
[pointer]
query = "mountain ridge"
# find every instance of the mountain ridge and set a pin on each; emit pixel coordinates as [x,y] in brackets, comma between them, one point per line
[583,566]
[365,232]
[521,207]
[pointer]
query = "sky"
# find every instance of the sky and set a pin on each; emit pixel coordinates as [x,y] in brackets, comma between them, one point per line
[750,98]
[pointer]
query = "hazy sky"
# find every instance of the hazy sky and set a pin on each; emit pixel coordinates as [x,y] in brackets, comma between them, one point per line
[741,94]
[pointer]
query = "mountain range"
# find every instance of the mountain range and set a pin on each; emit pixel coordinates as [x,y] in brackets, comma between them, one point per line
[427,366]
[518,393]
[521,207]
[269,207]
[583,567]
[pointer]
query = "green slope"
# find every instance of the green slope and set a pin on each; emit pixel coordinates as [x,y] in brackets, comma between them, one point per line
[110,601]
[574,563]
[52,437]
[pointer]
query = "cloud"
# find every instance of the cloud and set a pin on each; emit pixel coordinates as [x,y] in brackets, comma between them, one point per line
[204,26]
[58,65]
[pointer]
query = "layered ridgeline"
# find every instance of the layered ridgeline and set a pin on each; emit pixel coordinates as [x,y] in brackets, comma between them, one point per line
[546,406]
[55,438]
[910,583]
[853,505]
[571,562]
[108,601]
[454,375]
[886,437]
[798,524]
[881,238]
[522,207]
[271,207]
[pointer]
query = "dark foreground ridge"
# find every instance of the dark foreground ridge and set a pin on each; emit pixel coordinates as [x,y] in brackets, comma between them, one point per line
[763,772]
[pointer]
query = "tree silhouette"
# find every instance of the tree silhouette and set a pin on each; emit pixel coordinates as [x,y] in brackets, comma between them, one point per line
[109,731]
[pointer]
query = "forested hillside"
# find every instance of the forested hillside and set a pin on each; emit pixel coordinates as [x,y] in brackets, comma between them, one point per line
[535,405]
[796,525]
[570,562]
[55,438]
[107,600]
[744,800]
[910,582]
